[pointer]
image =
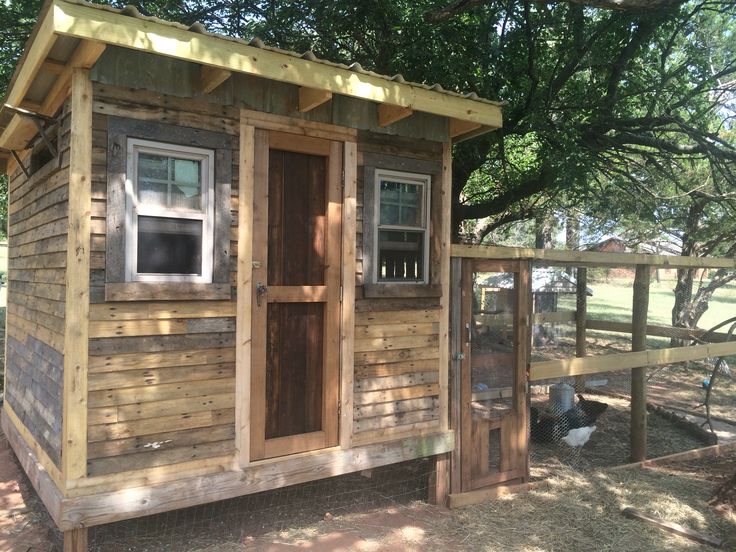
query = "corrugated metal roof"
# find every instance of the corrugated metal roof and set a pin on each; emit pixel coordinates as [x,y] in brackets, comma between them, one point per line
[199,28]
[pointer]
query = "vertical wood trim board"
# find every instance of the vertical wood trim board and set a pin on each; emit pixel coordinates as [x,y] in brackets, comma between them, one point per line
[347,338]
[76,331]
[333,314]
[260,274]
[444,231]
[244,286]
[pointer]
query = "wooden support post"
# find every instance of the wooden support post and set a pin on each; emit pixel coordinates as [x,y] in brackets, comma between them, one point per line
[639,312]
[581,315]
[75,540]
[243,330]
[445,232]
[439,486]
[456,349]
[347,329]
[76,329]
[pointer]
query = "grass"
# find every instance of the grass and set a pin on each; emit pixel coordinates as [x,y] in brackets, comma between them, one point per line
[613,300]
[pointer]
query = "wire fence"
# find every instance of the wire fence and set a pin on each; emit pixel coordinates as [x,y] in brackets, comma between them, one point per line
[233,524]
[584,422]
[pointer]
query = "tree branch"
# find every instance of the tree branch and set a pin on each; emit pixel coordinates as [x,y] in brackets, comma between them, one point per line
[460,6]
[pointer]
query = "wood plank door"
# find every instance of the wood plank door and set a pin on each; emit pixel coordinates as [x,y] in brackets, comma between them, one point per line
[496,299]
[297,213]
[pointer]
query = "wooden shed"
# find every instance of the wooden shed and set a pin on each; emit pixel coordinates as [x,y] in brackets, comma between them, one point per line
[202,229]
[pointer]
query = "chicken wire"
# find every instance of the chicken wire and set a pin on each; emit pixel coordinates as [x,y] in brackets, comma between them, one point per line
[232,524]
[678,419]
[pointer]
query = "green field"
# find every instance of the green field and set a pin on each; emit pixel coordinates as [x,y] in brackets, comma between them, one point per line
[613,301]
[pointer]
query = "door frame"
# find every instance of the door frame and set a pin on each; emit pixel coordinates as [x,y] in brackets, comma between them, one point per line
[473,435]
[250,122]
[329,293]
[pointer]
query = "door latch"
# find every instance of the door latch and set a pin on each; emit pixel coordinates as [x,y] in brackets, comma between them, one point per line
[261,291]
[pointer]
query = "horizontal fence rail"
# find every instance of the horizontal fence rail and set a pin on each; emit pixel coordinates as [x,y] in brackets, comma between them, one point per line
[588,258]
[548,369]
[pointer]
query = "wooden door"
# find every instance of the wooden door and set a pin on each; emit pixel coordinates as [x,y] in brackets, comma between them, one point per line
[495,307]
[297,213]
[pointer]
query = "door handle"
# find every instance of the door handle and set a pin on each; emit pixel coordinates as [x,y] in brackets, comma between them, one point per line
[261,291]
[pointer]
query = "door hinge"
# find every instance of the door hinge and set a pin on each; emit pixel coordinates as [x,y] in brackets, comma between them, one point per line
[341,294]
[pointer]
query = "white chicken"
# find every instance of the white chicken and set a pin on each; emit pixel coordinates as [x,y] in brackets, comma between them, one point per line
[579,436]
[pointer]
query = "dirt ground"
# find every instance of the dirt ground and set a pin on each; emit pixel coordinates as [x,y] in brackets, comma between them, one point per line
[572,511]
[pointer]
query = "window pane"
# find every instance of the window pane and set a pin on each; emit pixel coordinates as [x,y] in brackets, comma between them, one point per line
[165,181]
[400,255]
[401,203]
[153,166]
[152,192]
[186,190]
[169,246]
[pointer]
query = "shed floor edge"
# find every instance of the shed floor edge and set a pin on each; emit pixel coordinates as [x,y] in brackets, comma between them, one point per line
[128,503]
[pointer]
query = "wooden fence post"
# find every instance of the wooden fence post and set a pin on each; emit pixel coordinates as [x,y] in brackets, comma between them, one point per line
[639,312]
[75,540]
[581,315]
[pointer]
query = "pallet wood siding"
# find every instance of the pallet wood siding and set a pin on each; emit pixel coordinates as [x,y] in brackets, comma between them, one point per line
[396,385]
[37,228]
[161,373]
[121,67]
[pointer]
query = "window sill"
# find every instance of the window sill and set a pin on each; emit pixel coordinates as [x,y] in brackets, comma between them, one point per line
[165,291]
[393,290]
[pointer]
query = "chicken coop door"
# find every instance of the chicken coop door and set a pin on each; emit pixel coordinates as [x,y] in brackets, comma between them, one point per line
[495,308]
[296,294]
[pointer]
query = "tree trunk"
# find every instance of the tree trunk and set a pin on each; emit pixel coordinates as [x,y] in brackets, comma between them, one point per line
[572,237]
[544,228]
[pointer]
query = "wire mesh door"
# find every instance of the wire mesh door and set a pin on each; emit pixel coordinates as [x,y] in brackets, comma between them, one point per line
[496,301]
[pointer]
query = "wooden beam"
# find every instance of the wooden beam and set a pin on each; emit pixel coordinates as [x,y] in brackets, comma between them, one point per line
[445,233]
[122,504]
[439,484]
[456,348]
[569,367]
[656,330]
[458,500]
[41,42]
[76,332]
[212,77]
[90,23]
[389,114]
[244,285]
[85,56]
[458,127]
[21,129]
[33,467]
[671,527]
[75,540]
[347,329]
[640,308]
[581,315]
[53,66]
[588,258]
[309,98]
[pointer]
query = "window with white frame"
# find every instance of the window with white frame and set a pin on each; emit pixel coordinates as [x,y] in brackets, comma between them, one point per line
[170,212]
[402,226]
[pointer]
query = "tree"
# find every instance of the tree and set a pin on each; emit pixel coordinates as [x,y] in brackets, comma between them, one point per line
[590,92]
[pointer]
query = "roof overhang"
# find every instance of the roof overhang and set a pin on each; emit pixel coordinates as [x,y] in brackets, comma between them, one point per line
[95,27]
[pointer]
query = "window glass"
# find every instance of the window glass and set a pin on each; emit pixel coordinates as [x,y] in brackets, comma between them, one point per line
[401,203]
[169,182]
[402,233]
[170,237]
[400,255]
[169,246]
